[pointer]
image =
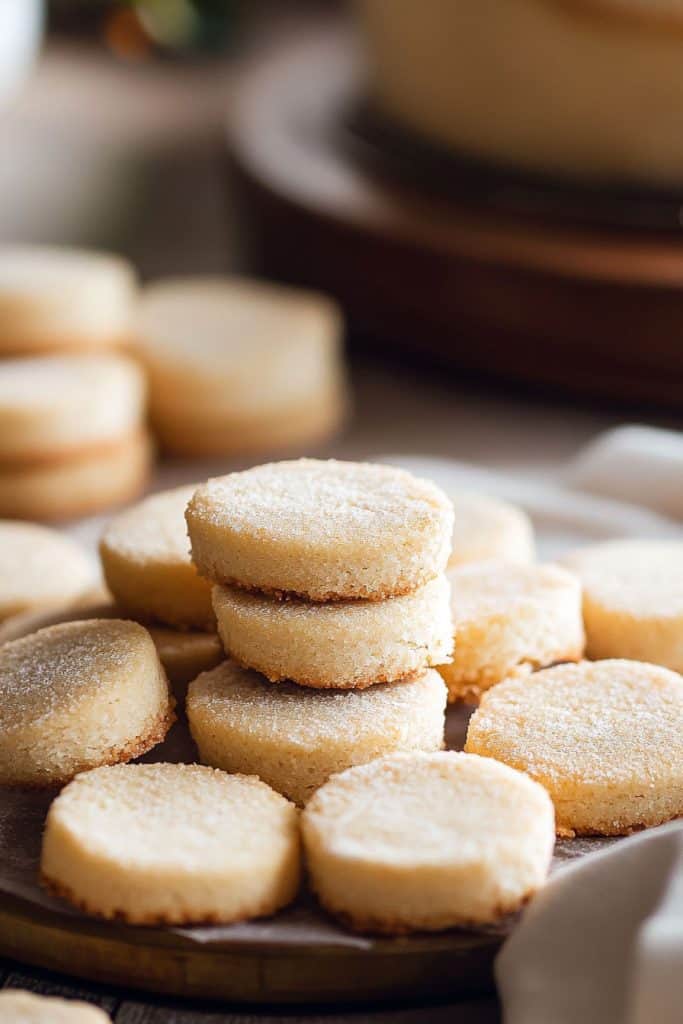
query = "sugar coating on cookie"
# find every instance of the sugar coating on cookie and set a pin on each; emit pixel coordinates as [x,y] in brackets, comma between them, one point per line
[296,738]
[18,1007]
[605,738]
[39,568]
[342,644]
[145,555]
[77,695]
[61,298]
[487,528]
[420,841]
[77,486]
[172,843]
[509,620]
[186,653]
[323,530]
[633,599]
[60,405]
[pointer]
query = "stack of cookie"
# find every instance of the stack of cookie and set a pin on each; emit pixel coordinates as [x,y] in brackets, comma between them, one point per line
[72,413]
[328,580]
[238,366]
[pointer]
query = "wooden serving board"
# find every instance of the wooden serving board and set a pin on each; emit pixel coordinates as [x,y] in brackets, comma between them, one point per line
[299,956]
[578,289]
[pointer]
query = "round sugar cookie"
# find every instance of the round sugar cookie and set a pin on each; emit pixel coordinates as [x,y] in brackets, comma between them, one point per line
[172,844]
[236,346]
[605,738]
[183,653]
[323,530]
[18,1007]
[65,405]
[509,620]
[205,432]
[296,738]
[78,486]
[186,653]
[145,554]
[54,298]
[423,842]
[40,568]
[487,528]
[339,644]
[78,695]
[633,599]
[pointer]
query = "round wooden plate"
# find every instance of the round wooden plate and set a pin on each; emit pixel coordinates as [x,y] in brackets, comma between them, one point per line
[299,956]
[585,307]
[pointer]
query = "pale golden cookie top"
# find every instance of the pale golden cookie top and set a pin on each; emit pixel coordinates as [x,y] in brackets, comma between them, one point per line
[233,340]
[602,722]
[325,528]
[211,321]
[154,530]
[420,809]
[308,718]
[642,578]
[39,566]
[157,815]
[487,528]
[493,588]
[61,664]
[324,502]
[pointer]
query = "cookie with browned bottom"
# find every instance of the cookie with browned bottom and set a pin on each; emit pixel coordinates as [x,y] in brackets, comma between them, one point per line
[77,695]
[423,842]
[172,843]
[604,738]
[321,529]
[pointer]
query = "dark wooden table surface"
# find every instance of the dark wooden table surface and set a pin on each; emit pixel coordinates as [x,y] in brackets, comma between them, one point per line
[131,1008]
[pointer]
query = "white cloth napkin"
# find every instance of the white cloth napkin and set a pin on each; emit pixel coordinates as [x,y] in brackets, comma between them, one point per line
[603,942]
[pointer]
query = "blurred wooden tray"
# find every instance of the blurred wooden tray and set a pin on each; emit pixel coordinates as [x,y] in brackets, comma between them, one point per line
[578,303]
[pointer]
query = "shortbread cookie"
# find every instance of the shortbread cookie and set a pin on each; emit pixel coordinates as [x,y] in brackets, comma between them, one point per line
[633,599]
[78,695]
[323,530]
[487,528]
[238,366]
[203,432]
[509,620]
[296,738]
[66,405]
[172,844]
[340,644]
[234,345]
[605,739]
[77,486]
[39,568]
[57,298]
[17,1007]
[423,842]
[186,653]
[145,555]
